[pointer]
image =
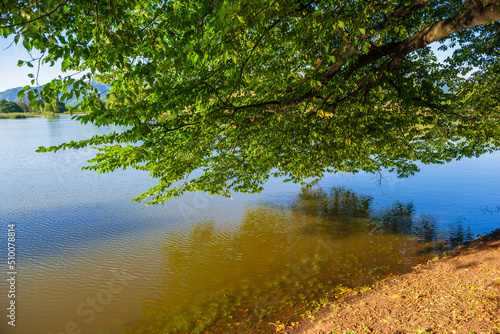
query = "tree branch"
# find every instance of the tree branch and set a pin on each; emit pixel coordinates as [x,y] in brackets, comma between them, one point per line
[468,19]
[436,107]
[401,12]
[37,18]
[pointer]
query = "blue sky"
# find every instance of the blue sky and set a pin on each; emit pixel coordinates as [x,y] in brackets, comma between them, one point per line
[13,76]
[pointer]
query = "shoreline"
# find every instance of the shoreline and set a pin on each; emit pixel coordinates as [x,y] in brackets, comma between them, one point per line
[457,293]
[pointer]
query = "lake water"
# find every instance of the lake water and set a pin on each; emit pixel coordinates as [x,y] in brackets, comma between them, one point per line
[90,261]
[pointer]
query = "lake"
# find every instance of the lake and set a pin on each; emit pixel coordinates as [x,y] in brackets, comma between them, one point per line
[89,260]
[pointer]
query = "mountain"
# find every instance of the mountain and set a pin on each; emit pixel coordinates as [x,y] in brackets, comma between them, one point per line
[11,94]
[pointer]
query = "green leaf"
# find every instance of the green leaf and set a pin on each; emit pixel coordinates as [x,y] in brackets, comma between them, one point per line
[20,94]
[65,64]
[235,92]
[366,47]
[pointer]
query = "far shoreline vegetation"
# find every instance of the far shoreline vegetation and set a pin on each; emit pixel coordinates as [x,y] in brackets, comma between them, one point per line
[21,109]
[17,115]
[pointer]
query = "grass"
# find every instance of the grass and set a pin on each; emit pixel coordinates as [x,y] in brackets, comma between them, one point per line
[365,288]
[15,115]
[48,114]
[28,115]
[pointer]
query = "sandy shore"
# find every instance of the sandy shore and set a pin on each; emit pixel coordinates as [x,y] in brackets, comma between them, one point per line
[458,293]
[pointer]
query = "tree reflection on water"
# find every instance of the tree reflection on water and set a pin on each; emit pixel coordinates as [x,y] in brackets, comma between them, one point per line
[345,212]
[235,274]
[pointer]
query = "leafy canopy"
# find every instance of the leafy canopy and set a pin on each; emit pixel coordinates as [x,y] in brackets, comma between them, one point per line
[10,107]
[221,95]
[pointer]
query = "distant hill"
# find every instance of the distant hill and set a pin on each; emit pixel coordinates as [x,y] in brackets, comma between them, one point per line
[11,94]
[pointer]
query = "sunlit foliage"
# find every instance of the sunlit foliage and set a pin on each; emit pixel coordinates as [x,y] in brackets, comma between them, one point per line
[221,95]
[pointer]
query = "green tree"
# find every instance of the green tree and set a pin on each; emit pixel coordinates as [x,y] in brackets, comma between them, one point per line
[49,107]
[25,105]
[221,95]
[58,106]
[9,107]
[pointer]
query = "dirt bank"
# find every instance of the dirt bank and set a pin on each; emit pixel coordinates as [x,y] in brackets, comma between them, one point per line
[458,293]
